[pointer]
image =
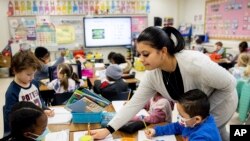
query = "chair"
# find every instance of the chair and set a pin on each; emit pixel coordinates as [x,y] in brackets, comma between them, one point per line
[61,98]
[123,95]
[244,103]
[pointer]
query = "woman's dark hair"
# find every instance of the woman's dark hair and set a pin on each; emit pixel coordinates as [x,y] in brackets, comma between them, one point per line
[243,46]
[110,55]
[23,60]
[23,118]
[159,38]
[118,58]
[195,103]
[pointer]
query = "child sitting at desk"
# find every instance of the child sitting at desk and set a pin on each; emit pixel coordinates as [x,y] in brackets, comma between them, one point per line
[67,80]
[44,57]
[159,109]
[242,68]
[23,88]
[28,122]
[194,120]
[113,86]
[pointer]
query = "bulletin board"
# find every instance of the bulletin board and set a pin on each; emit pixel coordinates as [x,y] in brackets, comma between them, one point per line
[228,19]
[59,31]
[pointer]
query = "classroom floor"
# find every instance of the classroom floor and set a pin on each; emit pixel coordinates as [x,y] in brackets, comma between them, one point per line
[4,83]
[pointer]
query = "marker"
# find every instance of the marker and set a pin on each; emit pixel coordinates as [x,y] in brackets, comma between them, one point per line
[88,129]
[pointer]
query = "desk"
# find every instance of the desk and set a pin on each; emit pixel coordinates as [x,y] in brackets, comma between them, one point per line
[130,81]
[43,87]
[81,127]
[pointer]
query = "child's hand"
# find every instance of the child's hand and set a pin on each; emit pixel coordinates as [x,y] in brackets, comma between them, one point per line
[49,113]
[150,132]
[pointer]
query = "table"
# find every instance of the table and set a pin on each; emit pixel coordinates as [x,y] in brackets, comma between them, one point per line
[130,81]
[81,127]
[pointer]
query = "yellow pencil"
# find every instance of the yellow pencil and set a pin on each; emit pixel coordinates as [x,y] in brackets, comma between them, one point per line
[129,95]
[88,129]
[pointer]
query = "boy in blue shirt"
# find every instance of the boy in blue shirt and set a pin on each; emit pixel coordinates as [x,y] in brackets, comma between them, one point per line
[194,120]
[23,88]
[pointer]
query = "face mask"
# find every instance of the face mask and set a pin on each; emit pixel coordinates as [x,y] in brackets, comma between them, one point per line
[182,121]
[42,136]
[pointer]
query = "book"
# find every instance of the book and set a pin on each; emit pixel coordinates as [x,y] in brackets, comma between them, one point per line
[84,105]
[77,95]
[62,116]
[100,99]
[142,137]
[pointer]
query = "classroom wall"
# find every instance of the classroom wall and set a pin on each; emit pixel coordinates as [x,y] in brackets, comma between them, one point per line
[189,8]
[160,8]
[4,31]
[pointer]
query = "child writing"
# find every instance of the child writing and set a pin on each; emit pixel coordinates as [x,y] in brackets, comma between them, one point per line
[67,80]
[23,88]
[113,86]
[44,58]
[194,120]
[28,122]
[159,110]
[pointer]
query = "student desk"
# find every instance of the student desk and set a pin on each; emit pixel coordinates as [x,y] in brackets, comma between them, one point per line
[83,127]
[43,87]
[130,81]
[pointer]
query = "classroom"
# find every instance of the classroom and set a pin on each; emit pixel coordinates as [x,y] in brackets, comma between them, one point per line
[119,49]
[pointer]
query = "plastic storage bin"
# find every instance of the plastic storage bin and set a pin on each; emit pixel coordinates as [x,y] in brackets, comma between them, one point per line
[88,72]
[88,117]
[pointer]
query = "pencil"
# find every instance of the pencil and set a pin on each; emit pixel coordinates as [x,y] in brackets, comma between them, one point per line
[129,95]
[145,124]
[88,129]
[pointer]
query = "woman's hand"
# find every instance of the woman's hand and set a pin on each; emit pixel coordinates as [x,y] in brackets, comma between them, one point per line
[149,132]
[49,113]
[99,133]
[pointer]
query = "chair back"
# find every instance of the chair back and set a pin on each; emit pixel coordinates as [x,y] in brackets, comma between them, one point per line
[244,102]
[61,98]
[123,95]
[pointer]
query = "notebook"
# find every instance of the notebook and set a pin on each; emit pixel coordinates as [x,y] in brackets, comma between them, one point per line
[142,137]
[78,135]
[62,116]
[120,103]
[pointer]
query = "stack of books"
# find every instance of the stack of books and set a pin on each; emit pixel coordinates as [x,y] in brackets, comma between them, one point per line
[86,101]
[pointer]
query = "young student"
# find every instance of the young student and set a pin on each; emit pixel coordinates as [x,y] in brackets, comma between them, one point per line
[240,70]
[243,46]
[28,122]
[67,80]
[194,121]
[198,45]
[110,55]
[119,59]
[172,71]
[159,109]
[43,55]
[23,88]
[219,49]
[113,86]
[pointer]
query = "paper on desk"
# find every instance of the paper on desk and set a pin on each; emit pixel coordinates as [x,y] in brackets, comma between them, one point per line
[120,103]
[142,137]
[58,136]
[77,135]
[62,116]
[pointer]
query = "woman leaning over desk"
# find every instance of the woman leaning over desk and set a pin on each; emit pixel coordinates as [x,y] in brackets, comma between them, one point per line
[173,71]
